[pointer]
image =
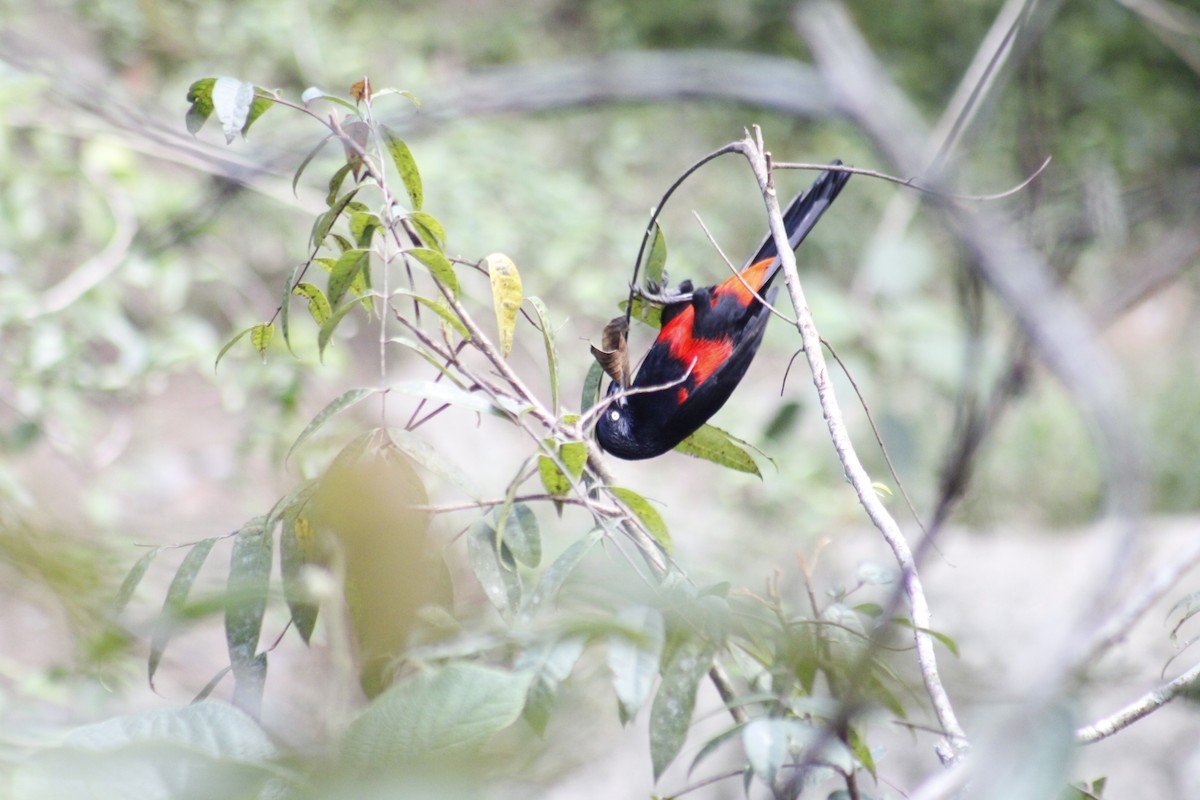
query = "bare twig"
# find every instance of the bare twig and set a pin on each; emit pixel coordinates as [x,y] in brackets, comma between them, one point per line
[1144,705]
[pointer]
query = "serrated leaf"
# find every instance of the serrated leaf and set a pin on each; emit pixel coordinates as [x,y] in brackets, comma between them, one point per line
[231,99]
[506,297]
[200,96]
[261,336]
[339,404]
[543,316]
[444,711]
[656,262]
[634,661]
[671,713]
[229,344]
[439,266]
[132,579]
[430,229]
[713,444]
[406,166]
[331,324]
[345,269]
[318,306]
[297,549]
[501,584]
[647,514]
[440,309]
[177,594]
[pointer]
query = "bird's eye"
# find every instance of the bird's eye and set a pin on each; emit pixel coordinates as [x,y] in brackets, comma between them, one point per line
[614,415]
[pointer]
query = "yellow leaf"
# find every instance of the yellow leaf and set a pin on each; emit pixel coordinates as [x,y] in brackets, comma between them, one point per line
[506,297]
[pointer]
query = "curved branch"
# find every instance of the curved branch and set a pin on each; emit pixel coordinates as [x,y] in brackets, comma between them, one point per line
[1144,705]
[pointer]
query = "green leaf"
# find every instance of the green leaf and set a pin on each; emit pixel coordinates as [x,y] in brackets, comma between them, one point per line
[335,183]
[671,713]
[229,344]
[285,306]
[297,549]
[132,579]
[439,266]
[325,222]
[249,576]
[261,335]
[363,225]
[550,664]
[446,393]
[307,160]
[318,306]
[345,269]
[862,752]
[501,584]
[656,262]
[950,644]
[313,93]
[713,444]
[258,107]
[551,351]
[431,459]
[326,332]
[336,406]
[444,711]
[177,594]
[522,536]
[506,297]
[429,228]
[712,744]
[591,386]
[406,165]
[553,578]
[572,455]
[647,514]
[440,309]
[634,660]
[200,96]
[231,99]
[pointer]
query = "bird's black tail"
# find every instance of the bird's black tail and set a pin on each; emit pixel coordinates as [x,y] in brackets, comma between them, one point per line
[804,212]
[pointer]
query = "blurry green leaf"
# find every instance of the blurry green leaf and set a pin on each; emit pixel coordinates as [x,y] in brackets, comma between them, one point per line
[522,535]
[229,344]
[591,386]
[285,307]
[713,444]
[331,324]
[261,335]
[363,225]
[558,572]
[551,351]
[656,262]
[649,313]
[231,99]
[501,584]
[446,393]
[336,406]
[297,549]
[440,309]
[406,165]
[443,711]
[647,514]
[712,744]
[132,579]
[431,231]
[873,573]
[506,297]
[782,421]
[950,644]
[313,93]
[439,266]
[550,665]
[318,306]
[335,183]
[671,713]
[177,594]
[307,160]
[345,269]
[634,661]
[412,98]
[200,96]
[249,576]
[431,459]
[862,752]
[765,742]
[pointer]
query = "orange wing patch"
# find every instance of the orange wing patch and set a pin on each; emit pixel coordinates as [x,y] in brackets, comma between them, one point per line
[702,355]
[754,275]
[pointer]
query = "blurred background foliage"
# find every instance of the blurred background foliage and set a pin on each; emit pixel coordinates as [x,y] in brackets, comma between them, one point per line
[129,252]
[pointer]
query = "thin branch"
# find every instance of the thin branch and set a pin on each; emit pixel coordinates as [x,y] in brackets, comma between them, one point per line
[955,743]
[1144,705]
